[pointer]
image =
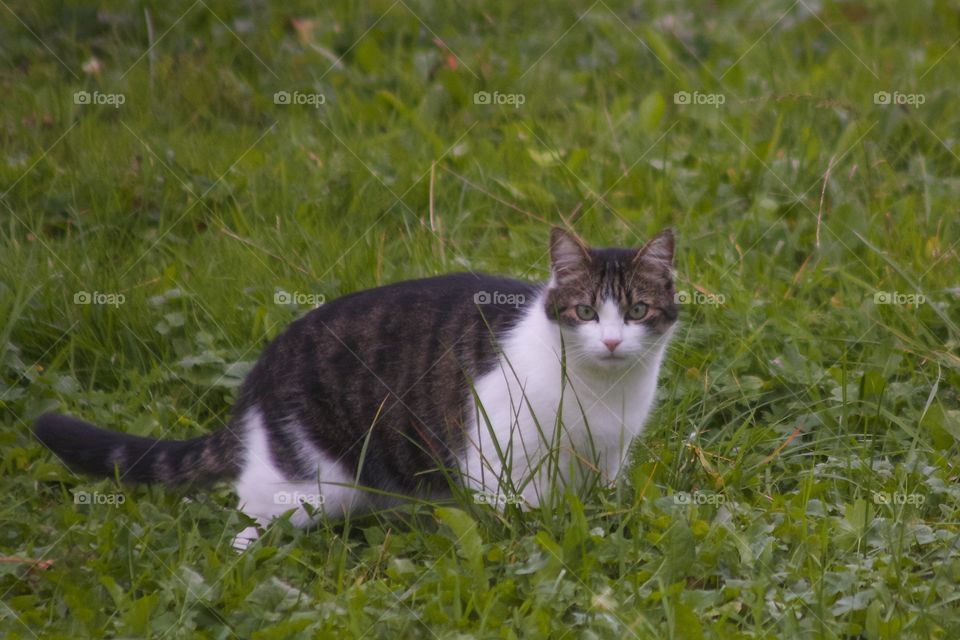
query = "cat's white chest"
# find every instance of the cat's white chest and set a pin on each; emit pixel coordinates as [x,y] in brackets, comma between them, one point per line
[535,423]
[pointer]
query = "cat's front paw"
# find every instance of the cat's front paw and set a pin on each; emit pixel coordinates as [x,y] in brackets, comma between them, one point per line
[245,538]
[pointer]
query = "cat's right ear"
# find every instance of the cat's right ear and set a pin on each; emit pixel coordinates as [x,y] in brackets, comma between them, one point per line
[568,254]
[659,249]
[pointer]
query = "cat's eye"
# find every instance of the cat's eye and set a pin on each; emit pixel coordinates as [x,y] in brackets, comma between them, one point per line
[637,311]
[586,313]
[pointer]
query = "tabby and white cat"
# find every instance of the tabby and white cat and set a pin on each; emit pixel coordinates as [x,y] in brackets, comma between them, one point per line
[505,386]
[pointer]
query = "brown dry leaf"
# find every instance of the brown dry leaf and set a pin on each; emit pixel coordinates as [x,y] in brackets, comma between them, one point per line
[34,564]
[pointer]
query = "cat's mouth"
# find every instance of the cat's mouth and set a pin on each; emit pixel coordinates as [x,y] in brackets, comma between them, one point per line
[612,357]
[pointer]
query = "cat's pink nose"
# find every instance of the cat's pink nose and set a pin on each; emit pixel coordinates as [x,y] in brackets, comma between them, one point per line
[612,343]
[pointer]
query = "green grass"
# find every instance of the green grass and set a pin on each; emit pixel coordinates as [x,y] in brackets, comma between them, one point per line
[755,507]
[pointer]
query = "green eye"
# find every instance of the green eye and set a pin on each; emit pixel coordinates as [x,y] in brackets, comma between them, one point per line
[586,312]
[637,311]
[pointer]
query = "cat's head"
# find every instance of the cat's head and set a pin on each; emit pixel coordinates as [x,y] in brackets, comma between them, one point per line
[614,306]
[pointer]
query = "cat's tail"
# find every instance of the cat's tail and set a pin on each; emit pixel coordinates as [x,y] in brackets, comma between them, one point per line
[88,449]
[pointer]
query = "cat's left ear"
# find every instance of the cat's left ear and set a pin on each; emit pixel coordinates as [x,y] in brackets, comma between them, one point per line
[659,249]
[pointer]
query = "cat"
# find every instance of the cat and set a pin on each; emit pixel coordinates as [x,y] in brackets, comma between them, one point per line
[508,387]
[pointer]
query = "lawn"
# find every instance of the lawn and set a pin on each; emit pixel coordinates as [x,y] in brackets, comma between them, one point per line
[173,175]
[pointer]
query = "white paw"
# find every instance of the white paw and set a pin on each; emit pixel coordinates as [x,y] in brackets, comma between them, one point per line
[245,538]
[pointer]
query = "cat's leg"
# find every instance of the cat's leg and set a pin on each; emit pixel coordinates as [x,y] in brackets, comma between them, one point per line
[311,501]
[478,474]
[268,500]
[526,477]
[614,460]
[547,471]
[512,475]
[266,493]
[507,464]
[495,481]
[531,495]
